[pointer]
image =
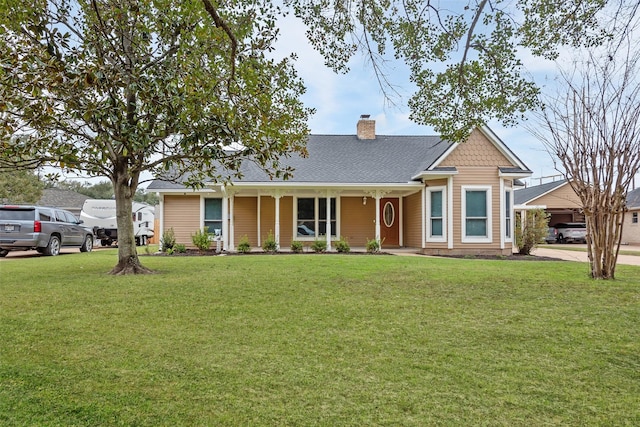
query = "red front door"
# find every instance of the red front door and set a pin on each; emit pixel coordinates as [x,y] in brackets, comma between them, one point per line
[390,222]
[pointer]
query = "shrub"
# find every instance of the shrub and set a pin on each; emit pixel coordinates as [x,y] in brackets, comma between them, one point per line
[342,245]
[201,239]
[270,245]
[373,246]
[297,247]
[319,246]
[244,246]
[168,240]
[532,232]
[179,248]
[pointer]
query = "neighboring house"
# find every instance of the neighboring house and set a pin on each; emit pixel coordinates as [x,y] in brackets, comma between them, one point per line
[563,204]
[406,191]
[631,227]
[557,198]
[63,199]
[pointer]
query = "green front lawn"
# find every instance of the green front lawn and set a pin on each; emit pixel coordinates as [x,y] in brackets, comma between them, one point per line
[327,340]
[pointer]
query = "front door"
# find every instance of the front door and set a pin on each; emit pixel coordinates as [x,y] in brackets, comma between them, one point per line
[390,222]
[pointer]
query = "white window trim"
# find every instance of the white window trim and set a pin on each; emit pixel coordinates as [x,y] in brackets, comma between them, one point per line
[429,237]
[503,217]
[203,200]
[463,214]
[316,205]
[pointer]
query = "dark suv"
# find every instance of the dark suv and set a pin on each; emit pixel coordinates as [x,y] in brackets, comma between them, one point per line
[44,229]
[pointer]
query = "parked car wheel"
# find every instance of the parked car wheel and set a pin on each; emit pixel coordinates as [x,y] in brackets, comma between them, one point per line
[53,248]
[87,246]
[3,253]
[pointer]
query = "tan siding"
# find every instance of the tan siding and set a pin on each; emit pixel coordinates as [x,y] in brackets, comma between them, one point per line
[478,150]
[412,210]
[437,182]
[182,213]
[560,198]
[357,221]
[267,216]
[484,176]
[630,231]
[286,221]
[245,219]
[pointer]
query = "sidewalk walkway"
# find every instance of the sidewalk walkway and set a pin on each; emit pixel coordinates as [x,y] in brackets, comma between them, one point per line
[546,251]
[580,256]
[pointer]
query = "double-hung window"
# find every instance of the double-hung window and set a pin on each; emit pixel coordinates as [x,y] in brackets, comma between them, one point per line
[508,209]
[312,218]
[213,216]
[476,214]
[436,214]
[634,218]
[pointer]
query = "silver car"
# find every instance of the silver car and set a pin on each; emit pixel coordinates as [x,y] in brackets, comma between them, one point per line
[44,229]
[571,232]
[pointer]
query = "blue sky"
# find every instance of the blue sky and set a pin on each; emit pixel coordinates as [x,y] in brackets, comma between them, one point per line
[340,99]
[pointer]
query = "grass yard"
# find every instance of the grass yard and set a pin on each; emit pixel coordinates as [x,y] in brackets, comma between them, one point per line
[317,340]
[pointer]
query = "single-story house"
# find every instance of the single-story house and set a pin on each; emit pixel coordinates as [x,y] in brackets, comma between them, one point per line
[417,192]
[63,199]
[631,227]
[557,198]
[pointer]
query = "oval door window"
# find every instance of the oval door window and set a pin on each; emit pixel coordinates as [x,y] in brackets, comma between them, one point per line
[389,214]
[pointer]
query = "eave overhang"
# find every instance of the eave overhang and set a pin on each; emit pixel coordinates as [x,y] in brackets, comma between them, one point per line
[435,173]
[299,187]
[515,173]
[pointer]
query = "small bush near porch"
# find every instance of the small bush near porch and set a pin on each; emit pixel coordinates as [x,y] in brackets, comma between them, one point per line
[309,340]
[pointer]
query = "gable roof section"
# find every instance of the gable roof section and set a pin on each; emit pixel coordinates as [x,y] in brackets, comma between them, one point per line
[523,196]
[509,155]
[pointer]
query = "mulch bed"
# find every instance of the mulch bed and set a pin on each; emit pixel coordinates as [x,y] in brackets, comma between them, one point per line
[514,257]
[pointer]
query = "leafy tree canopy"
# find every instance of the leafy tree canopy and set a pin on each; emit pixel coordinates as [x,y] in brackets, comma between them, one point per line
[20,187]
[463,56]
[114,89]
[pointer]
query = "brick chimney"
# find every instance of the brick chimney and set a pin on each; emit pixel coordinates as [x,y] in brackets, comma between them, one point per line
[366,127]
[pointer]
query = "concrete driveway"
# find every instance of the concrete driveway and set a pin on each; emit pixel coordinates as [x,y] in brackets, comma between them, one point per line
[555,251]
[34,254]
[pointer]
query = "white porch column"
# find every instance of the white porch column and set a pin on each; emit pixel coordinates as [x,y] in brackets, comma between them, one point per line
[157,234]
[328,229]
[423,210]
[258,216]
[232,243]
[277,196]
[225,221]
[378,218]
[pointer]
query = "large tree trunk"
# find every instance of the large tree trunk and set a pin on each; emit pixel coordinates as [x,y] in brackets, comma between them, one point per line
[604,214]
[128,261]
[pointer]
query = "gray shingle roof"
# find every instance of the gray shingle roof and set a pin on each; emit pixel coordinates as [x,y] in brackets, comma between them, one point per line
[59,198]
[347,159]
[633,198]
[525,195]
